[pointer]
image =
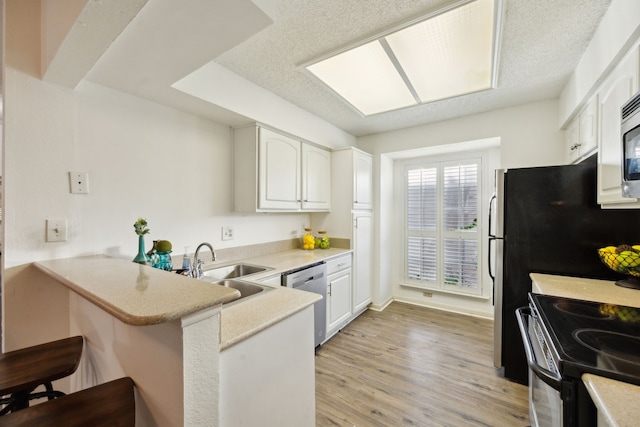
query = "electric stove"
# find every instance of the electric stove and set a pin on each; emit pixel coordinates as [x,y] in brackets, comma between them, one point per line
[591,337]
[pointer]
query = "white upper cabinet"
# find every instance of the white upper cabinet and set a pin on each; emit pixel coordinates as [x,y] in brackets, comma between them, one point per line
[363,180]
[588,121]
[316,178]
[619,86]
[572,141]
[582,133]
[276,173]
[353,180]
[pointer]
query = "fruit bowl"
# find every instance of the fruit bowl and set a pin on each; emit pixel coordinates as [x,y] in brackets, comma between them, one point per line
[626,314]
[623,259]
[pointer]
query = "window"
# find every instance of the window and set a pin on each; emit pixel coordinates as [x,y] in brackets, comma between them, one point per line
[442,237]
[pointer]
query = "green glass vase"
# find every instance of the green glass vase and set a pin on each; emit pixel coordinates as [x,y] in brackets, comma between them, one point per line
[142,257]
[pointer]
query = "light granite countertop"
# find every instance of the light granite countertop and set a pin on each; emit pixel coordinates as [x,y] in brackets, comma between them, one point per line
[604,291]
[134,293]
[246,318]
[616,400]
[281,262]
[140,295]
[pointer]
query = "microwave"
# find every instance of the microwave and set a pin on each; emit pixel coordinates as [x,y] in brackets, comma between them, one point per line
[631,147]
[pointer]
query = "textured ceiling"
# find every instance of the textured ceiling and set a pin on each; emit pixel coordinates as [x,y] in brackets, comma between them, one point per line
[542,42]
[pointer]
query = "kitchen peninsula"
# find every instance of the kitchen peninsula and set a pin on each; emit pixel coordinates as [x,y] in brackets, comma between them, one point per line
[163,330]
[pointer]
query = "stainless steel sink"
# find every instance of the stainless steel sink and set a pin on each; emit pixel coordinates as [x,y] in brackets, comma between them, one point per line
[246,289]
[233,271]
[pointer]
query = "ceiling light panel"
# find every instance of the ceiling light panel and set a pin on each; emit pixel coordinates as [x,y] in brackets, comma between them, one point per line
[445,55]
[449,54]
[366,78]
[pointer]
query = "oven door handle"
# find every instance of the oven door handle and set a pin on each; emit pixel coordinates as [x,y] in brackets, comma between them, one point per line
[544,374]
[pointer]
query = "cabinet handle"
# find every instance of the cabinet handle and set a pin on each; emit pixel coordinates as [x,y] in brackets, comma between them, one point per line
[575,147]
[329,289]
[341,264]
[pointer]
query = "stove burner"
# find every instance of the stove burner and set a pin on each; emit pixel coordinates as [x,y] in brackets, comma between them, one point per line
[622,347]
[576,308]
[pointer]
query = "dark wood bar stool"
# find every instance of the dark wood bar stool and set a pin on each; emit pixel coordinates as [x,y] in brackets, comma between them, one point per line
[110,404]
[22,371]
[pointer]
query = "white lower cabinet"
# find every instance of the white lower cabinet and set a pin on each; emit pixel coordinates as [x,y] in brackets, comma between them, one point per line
[339,286]
[363,236]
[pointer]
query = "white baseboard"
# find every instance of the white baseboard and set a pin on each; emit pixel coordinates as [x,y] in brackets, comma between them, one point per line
[444,307]
[380,307]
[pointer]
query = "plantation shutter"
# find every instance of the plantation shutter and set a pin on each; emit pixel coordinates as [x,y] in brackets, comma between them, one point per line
[441,225]
[422,223]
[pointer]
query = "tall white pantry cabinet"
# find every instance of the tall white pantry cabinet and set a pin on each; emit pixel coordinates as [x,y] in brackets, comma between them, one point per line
[351,217]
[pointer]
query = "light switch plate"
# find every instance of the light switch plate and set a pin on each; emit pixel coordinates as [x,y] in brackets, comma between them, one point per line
[56,230]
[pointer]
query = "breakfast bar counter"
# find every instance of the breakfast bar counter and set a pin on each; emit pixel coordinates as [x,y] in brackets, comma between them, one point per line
[134,293]
[180,339]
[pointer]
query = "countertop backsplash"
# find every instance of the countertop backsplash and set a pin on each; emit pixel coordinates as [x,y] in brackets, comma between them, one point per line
[252,251]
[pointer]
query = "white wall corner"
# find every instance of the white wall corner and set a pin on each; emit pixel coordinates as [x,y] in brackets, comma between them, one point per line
[267,6]
[76,33]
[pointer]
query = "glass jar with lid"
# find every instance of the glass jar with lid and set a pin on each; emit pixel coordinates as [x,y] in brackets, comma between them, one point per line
[308,241]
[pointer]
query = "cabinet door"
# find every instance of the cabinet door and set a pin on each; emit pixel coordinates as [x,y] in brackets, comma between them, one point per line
[316,178]
[279,171]
[615,91]
[589,127]
[338,299]
[363,181]
[573,141]
[363,239]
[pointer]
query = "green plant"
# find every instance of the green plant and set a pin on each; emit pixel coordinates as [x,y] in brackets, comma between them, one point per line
[471,226]
[140,226]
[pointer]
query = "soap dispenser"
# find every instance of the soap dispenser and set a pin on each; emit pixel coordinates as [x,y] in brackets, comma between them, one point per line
[186,262]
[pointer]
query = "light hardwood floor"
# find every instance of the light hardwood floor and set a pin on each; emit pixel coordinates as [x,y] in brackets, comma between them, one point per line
[415,366]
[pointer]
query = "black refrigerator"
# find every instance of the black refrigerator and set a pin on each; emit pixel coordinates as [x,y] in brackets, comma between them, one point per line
[546,220]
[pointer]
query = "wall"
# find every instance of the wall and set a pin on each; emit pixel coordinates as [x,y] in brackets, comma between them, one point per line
[143,159]
[529,136]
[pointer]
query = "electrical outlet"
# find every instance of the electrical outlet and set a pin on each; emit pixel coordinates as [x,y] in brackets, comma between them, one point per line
[79,182]
[56,230]
[227,232]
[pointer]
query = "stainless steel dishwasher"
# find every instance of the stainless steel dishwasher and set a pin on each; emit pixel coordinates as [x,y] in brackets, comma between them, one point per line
[312,278]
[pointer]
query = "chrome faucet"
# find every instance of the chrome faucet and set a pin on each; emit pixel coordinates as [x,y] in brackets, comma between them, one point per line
[196,267]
